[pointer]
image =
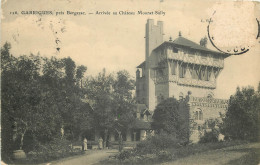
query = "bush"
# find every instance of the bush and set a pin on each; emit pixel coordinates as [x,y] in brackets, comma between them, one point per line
[209,137]
[158,142]
[54,150]
[165,155]
[151,150]
[124,155]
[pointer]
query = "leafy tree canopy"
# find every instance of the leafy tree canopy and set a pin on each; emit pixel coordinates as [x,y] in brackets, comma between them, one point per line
[39,97]
[167,118]
[243,114]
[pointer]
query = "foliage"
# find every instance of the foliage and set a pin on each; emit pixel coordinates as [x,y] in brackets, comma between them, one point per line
[211,131]
[112,100]
[39,97]
[135,156]
[242,117]
[158,142]
[151,148]
[125,154]
[165,155]
[168,118]
[55,149]
[209,137]
[168,154]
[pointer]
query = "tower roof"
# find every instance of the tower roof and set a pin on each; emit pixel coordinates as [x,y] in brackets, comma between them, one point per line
[185,42]
[181,41]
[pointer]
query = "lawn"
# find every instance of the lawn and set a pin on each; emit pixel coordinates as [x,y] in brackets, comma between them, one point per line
[233,153]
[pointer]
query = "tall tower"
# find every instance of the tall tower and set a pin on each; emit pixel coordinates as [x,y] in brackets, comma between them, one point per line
[153,38]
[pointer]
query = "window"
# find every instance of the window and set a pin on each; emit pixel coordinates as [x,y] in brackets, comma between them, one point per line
[207,75]
[204,74]
[173,68]
[198,115]
[195,72]
[135,136]
[182,69]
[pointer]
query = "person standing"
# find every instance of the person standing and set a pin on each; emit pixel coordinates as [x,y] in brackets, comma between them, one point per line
[85,144]
[100,143]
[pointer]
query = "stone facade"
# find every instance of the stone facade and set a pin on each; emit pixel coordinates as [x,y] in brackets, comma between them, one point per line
[200,110]
[181,69]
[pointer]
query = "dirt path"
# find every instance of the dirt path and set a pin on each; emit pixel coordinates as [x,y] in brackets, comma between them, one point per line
[230,155]
[91,157]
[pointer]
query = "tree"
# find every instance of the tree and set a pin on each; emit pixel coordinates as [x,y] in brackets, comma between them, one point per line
[7,121]
[112,101]
[242,117]
[39,97]
[26,100]
[99,90]
[168,118]
[80,74]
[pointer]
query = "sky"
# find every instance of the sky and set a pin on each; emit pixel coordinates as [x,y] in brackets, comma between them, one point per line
[117,42]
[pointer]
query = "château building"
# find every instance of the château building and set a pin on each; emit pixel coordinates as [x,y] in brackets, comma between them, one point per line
[181,69]
[177,68]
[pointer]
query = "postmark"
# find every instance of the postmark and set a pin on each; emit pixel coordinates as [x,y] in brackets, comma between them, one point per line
[233,30]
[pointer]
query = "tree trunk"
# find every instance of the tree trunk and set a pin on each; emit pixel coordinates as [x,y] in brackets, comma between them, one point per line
[105,138]
[22,136]
[120,147]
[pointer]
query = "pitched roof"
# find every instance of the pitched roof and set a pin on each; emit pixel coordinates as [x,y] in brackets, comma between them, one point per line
[141,65]
[185,42]
[181,41]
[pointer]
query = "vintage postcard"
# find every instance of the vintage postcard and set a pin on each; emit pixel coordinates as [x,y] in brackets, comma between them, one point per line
[130,82]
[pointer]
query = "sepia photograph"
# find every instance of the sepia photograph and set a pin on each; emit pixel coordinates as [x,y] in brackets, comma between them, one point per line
[128,82]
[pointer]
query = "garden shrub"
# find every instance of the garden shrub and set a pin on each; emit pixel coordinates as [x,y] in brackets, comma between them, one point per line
[158,142]
[165,155]
[58,148]
[211,136]
[150,150]
[124,155]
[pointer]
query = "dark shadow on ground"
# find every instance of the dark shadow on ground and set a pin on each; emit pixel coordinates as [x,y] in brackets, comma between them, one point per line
[251,158]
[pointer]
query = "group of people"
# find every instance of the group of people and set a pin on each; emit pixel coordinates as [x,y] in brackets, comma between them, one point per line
[85,144]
